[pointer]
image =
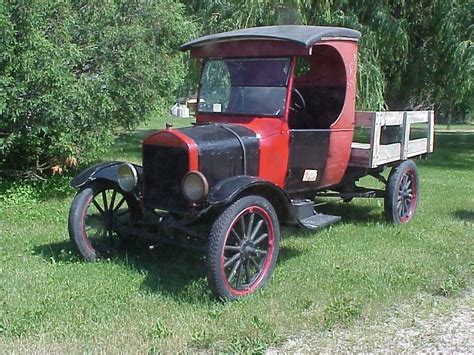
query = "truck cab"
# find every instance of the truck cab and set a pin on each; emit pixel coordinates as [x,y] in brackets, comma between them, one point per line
[275,103]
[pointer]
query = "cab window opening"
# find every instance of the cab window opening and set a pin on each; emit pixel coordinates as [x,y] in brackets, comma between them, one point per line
[320,81]
[244,86]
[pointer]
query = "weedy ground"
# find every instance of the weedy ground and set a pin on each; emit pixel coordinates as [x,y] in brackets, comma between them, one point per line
[157,300]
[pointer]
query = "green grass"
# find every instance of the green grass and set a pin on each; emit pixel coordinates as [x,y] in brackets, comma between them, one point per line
[456,127]
[158,300]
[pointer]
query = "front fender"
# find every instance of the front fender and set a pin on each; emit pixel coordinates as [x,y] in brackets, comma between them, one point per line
[104,171]
[226,191]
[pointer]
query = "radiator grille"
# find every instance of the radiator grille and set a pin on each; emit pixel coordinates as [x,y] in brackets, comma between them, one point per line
[163,170]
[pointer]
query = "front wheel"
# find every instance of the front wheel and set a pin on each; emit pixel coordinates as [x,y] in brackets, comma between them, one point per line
[98,218]
[243,248]
[401,195]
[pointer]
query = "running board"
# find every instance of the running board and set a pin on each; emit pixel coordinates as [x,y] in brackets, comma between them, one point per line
[318,221]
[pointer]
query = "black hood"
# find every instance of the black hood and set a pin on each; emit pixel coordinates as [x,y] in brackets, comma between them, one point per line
[225,150]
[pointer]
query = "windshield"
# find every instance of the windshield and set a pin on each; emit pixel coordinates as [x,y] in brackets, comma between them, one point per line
[244,86]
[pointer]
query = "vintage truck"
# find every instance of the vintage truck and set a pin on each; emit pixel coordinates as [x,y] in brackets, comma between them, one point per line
[274,127]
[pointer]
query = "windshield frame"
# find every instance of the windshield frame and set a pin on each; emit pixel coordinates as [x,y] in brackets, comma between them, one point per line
[280,115]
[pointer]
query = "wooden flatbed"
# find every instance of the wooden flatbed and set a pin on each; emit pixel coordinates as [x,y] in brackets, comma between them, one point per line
[384,137]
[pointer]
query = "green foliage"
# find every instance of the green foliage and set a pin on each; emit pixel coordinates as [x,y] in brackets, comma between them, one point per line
[452,283]
[73,74]
[440,64]
[23,193]
[159,330]
[416,54]
[341,310]
[247,345]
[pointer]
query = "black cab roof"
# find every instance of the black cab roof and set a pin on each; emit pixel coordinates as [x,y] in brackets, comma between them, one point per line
[303,35]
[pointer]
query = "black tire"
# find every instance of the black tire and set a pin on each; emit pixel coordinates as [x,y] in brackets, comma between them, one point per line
[244,239]
[98,216]
[402,193]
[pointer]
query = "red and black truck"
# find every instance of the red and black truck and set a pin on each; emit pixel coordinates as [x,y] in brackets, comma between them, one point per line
[274,128]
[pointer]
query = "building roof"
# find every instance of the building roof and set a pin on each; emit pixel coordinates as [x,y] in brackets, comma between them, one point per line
[304,35]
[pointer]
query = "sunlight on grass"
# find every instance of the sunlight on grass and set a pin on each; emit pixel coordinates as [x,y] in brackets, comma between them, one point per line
[158,300]
[128,146]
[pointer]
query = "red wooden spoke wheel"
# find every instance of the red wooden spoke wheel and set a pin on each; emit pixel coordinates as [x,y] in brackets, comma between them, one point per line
[98,217]
[243,248]
[402,193]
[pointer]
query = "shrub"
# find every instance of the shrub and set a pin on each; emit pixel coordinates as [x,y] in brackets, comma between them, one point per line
[75,73]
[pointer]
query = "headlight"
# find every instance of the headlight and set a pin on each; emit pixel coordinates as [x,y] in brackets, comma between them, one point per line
[127,177]
[195,186]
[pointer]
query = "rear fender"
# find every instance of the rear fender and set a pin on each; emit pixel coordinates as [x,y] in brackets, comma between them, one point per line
[229,190]
[104,171]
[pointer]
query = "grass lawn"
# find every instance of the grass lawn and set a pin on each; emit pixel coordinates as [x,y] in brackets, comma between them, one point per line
[158,300]
[455,127]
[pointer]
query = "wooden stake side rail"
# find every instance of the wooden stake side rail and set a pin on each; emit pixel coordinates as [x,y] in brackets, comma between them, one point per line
[374,154]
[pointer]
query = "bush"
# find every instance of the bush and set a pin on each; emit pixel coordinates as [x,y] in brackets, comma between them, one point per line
[75,73]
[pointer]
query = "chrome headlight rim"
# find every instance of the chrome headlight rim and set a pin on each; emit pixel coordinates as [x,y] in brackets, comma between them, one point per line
[204,186]
[129,172]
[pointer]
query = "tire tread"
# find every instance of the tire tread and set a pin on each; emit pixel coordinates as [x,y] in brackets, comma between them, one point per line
[217,240]
[390,210]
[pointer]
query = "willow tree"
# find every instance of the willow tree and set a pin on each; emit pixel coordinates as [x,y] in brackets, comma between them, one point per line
[440,66]
[413,54]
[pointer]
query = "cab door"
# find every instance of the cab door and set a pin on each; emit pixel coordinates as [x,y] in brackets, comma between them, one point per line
[321,116]
[307,159]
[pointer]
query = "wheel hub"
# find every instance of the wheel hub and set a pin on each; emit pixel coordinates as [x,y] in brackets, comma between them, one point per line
[405,196]
[247,249]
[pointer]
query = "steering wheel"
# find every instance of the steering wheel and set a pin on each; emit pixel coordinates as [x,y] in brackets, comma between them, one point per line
[297,101]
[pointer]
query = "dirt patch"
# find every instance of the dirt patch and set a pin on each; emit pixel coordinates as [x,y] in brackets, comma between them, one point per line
[429,324]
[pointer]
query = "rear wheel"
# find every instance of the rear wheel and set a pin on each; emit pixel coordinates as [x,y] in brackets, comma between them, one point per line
[243,248]
[401,195]
[99,217]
